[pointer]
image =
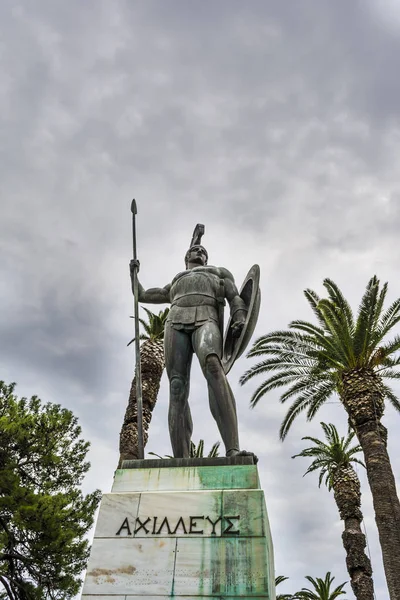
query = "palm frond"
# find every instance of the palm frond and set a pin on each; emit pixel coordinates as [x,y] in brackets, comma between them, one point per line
[379,306]
[322,588]
[390,395]
[300,349]
[321,343]
[154,326]
[341,338]
[308,382]
[142,337]
[349,440]
[388,373]
[309,359]
[214,450]
[271,383]
[325,390]
[343,316]
[294,366]
[365,320]
[358,461]
[338,298]
[282,337]
[155,454]
[145,325]
[390,347]
[200,449]
[388,362]
[331,455]
[389,318]
[316,332]
[314,440]
[313,300]
[330,432]
[299,405]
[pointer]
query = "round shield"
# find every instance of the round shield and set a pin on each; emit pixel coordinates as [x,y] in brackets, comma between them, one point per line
[250,293]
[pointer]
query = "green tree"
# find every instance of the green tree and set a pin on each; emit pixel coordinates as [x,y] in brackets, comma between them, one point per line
[44,516]
[349,356]
[152,367]
[322,589]
[333,459]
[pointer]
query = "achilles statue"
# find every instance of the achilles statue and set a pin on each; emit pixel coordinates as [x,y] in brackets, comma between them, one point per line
[195,326]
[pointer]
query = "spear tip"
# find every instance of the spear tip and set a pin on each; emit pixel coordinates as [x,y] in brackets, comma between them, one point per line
[133,207]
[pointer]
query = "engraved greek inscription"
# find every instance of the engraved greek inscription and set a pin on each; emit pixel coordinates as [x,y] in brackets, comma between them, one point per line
[142,525]
[180,522]
[193,523]
[230,526]
[125,525]
[165,522]
[186,525]
[154,525]
[214,523]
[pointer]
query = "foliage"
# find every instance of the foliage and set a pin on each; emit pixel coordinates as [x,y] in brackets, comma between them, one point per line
[311,359]
[196,451]
[44,516]
[334,459]
[322,589]
[152,367]
[280,579]
[350,356]
[329,457]
[154,327]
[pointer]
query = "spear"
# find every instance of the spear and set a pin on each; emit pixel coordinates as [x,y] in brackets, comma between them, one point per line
[139,399]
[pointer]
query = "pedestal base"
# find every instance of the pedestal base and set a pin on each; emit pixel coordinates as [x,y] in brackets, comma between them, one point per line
[197,530]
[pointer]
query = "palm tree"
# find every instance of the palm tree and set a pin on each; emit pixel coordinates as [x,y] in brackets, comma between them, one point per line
[280,579]
[322,589]
[333,459]
[196,451]
[152,367]
[348,356]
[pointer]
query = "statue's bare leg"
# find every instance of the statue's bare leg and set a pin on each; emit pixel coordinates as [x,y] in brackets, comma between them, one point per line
[178,360]
[207,344]
[222,404]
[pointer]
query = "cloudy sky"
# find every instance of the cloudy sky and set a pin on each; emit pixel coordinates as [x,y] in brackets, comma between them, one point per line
[277,124]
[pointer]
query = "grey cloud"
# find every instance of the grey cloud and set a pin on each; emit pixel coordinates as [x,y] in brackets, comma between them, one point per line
[277,127]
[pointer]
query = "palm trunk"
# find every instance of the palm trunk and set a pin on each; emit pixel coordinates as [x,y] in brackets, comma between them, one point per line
[362,397]
[346,486]
[152,366]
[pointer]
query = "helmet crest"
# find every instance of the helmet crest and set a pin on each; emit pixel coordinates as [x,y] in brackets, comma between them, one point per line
[196,241]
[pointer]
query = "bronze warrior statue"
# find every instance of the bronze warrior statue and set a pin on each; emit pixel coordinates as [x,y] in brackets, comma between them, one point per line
[195,325]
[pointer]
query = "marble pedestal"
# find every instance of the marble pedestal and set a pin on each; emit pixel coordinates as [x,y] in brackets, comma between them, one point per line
[183,529]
